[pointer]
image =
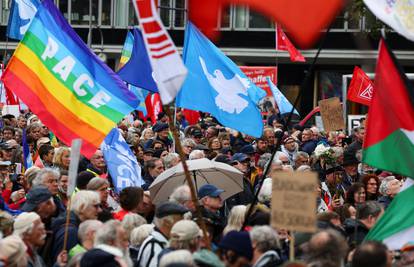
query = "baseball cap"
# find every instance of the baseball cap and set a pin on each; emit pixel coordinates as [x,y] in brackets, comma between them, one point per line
[247,149]
[35,196]
[209,190]
[185,230]
[240,157]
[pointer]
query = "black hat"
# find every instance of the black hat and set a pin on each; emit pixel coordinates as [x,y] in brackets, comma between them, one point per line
[226,150]
[350,159]
[159,126]
[196,133]
[201,147]
[238,242]
[169,208]
[35,196]
[223,159]
[98,257]
[247,149]
[332,168]
[149,151]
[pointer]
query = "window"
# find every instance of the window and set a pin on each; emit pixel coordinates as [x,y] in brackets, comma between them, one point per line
[259,21]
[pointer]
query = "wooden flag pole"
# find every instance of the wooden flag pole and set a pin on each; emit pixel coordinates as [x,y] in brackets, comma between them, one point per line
[65,237]
[190,183]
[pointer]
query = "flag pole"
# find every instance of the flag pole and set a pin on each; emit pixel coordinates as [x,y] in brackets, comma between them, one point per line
[187,175]
[303,86]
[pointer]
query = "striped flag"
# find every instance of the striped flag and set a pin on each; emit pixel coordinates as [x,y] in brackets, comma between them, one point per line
[169,69]
[66,85]
[126,50]
[27,157]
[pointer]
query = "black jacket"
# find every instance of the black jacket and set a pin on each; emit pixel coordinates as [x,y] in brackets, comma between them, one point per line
[355,231]
[58,228]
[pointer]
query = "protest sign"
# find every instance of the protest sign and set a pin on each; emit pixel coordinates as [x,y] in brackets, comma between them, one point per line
[258,76]
[294,201]
[331,112]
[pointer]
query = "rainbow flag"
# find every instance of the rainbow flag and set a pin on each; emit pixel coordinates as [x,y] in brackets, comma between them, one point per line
[126,50]
[67,86]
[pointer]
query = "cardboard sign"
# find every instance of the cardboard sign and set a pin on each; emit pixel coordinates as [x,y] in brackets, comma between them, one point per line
[332,115]
[258,76]
[294,201]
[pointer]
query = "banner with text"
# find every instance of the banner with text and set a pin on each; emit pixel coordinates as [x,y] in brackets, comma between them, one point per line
[258,76]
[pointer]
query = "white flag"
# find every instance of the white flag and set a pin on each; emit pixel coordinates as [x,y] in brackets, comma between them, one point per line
[396,14]
[167,65]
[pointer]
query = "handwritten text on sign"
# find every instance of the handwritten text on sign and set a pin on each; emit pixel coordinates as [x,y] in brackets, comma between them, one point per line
[294,201]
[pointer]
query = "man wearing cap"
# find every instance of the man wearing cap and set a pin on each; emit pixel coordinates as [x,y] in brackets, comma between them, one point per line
[197,136]
[162,131]
[333,192]
[166,215]
[290,147]
[242,163]
[40,200]
[236,248]
[211,203]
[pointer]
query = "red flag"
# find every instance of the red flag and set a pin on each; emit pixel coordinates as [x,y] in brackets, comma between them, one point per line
[304,19]
[154,107]
[191,116]
[283,43]
[360,89]
[11,99]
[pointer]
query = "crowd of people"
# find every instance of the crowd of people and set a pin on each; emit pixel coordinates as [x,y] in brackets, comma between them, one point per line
[41,226]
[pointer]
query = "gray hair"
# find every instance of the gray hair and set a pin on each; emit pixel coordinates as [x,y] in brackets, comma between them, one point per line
[263,160]
[188,142]
[178,256]
[196,154]
[369,208]
[140,233]
[279,154]
[132,221]
[265,193]
[43,173]
[181,194]
[385,184]
[265,238]
[24,223]
[96,183]
[107,233]
[88,226]
[83,199]
[300,154]
[304,168]
[169,159]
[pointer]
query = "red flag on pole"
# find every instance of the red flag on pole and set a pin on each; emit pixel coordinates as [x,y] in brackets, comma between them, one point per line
[154,107]
[284,44]
[361,87]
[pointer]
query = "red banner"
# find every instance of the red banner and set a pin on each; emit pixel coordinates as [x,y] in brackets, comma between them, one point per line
[258,76]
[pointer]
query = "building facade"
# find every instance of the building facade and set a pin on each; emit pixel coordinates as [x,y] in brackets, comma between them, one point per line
[246,36]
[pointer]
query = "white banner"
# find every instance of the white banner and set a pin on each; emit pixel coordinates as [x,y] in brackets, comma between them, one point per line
[398,14]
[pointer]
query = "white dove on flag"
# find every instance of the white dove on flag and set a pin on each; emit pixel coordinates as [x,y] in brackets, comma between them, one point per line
[228,98]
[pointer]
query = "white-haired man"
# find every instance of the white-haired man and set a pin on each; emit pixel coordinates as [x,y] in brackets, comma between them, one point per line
[29,227]
[86,236]
[49,178]
[85,205]
[111,243]
[182,195]
[389,188]
[166,215]
[265,242]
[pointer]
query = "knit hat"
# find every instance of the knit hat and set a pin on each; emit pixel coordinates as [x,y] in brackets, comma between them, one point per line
[14,250]
[185,230]
[238,242]
[98,257]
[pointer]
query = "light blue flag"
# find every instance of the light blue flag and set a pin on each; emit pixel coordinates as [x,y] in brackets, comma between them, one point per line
[216,85]
[122,163]
[141,94]
[282,102]
[21,14]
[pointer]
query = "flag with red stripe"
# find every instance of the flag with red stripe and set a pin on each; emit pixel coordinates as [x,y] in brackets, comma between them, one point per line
[167,65]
